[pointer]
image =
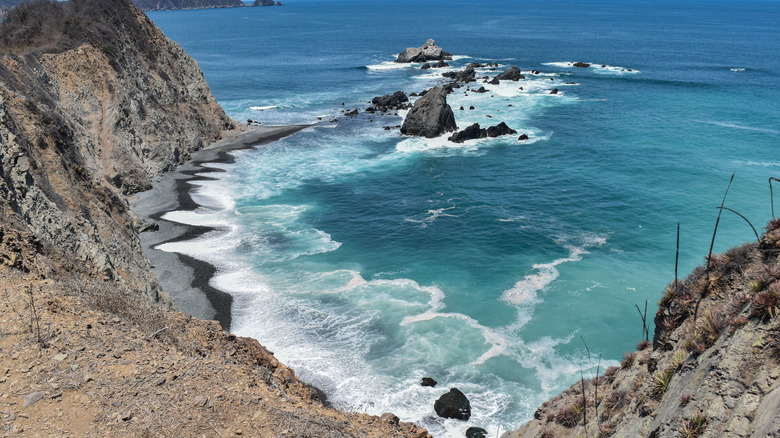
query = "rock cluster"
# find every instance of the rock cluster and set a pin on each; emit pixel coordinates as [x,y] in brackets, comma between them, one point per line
[388,102]
[453,404]
[474,132]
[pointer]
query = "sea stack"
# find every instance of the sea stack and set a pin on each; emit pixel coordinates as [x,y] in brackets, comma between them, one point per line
[431,116]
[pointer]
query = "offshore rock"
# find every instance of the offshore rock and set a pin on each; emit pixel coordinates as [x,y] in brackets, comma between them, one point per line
[453,404]
[476,432]
[428,52]
[427,381]
[395,101]
[581,64]
[430,116]
[511,74]
[474,132]
[165,5]
[466,75]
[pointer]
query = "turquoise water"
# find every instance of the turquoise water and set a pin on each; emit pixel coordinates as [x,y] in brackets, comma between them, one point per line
[366,260]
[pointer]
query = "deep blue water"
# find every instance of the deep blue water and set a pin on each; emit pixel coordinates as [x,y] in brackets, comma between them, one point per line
[366,260]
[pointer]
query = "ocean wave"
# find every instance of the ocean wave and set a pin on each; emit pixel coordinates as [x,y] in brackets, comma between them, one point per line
[525,291]
[737,69]
[262,108]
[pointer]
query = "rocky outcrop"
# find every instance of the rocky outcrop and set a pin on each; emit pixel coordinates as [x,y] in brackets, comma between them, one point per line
[581,64]
[474,132]
[166,5]
[453,404]
[266,3]
[428,52]
[430,116]
[388,102]
[511,74]
[84,123]
[712,369]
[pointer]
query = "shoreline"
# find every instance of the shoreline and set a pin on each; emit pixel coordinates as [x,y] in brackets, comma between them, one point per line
[186,279]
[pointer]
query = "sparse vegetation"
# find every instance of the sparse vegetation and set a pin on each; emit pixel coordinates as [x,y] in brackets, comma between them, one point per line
[628,360]
[694,426]
[766,303]
[661,380]
[685,399]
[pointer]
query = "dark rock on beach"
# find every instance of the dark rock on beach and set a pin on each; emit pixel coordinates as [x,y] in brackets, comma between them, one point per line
[431,115]
[511,74]
[428,52]
[427,381]
[453,405]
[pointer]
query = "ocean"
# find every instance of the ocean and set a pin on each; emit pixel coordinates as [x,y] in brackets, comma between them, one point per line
[367,260]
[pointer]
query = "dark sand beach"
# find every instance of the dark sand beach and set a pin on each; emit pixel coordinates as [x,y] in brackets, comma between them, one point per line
[184,278]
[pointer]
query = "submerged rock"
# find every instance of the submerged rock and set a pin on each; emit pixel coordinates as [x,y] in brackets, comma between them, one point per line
[430,116]
[581,64]
[554,91]
[453,404]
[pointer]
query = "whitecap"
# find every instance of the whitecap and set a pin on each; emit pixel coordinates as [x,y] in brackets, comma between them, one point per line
[594,66]
[738,126]
[737,69]
[262,108]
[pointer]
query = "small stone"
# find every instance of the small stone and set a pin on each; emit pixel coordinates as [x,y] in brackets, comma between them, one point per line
[127,416]
[74,367]
[160,381]
[60,357]
[239,432]
[200,400]
[57,394]
[32,398]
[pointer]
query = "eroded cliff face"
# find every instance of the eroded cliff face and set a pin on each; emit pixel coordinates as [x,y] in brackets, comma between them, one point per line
[712,370]
[88,116]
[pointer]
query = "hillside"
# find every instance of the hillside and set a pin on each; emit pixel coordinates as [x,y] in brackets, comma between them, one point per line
[712,369]
[165,5]
[95,102]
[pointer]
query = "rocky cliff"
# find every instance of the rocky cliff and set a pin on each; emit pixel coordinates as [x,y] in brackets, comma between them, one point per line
[94,102]
[711,370]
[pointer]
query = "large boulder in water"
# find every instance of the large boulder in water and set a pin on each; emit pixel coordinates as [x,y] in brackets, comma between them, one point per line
[469,133]
[428,52]
[395,101]
[511,74]
[430,116]
[453,405]
[476,432]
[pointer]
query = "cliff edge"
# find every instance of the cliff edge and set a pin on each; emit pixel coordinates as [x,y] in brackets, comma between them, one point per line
[711,370]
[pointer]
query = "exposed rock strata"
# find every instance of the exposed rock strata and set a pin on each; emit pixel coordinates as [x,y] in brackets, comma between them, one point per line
[430,116]
[84,124]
